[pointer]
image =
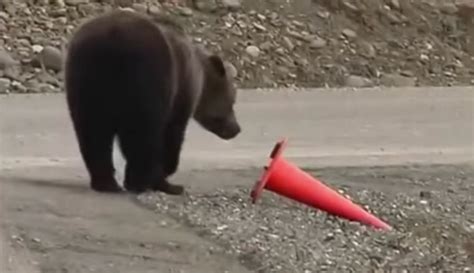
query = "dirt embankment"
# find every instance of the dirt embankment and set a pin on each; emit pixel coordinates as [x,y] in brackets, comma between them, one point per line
[271,43]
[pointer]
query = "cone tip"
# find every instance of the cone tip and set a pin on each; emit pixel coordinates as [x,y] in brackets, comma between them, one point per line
[377,223]
[385,226]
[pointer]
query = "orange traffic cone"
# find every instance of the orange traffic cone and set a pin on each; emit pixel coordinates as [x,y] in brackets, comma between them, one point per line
[286,179]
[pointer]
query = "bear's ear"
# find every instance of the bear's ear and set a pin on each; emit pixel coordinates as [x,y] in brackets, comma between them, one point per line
[217,64]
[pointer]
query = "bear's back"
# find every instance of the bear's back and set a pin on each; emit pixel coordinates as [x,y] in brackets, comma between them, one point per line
[115,51]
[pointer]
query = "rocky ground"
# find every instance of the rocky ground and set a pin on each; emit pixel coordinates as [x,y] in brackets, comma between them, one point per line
[273,43]
[429,207]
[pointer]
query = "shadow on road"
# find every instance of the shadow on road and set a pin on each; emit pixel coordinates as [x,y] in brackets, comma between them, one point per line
[48,183]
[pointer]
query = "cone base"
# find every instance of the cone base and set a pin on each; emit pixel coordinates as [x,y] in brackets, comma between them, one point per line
[274,156]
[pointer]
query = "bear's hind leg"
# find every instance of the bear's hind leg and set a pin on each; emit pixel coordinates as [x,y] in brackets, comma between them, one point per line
[137,157]
[140,143]
[143,153]
[96,144]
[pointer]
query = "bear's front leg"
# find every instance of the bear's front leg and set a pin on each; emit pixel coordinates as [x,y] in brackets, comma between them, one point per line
[162,184]
[173,141]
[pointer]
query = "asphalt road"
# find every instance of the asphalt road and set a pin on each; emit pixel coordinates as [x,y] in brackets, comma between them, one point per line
[52,222]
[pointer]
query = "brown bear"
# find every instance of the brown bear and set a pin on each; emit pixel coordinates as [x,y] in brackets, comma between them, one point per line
[141,79]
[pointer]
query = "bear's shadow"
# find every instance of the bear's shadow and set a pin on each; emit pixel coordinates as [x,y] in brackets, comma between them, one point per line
[71,185]
[58,183]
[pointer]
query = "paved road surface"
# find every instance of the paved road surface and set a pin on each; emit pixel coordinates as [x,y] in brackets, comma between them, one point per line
[50,220]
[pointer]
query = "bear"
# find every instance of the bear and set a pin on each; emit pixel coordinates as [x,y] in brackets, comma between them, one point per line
[140,79]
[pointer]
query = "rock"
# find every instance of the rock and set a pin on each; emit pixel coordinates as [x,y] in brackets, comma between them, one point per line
[425,194]
[60,3]
[32,86]
[465,4]
[141,8]
[4,85]
[323,14]
[302,62]
[61,20]
[395,80]
[47,88]
[283,70]
[18,87]
[448,8]
[51,58]
[350,6]
[154,10]
[358,81]
[23,43]
[407,73]
[185,11]
[45,77]
[318,43]
[252,51]
[296,35]
[259,27]
[3,28]
[288,43]
[349,33]
[232,4]
[393,18]
[231,69]
[280,51]
[12,72]
[466,13]
[75,2]
[424,202]
[6,60]
[367,49]
[124,3]
[89,9]
[395,4]
[266,45]
[4,16]
[127,9]
[273,16]
[37,48]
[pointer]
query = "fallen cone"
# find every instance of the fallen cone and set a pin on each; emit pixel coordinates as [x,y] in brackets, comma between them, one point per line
[286,179]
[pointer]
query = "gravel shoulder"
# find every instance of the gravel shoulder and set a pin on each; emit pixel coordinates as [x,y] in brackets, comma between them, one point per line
[430,207]
[217,229]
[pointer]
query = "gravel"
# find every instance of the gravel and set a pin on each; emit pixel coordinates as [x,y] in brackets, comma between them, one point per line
[430,208]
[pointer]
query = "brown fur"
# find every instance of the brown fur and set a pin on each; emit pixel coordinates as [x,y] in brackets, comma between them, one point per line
[142,80]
